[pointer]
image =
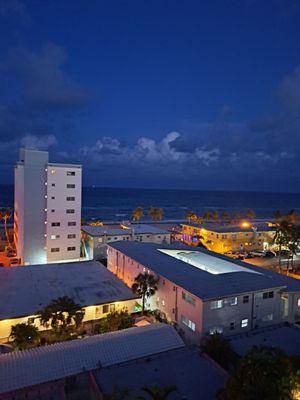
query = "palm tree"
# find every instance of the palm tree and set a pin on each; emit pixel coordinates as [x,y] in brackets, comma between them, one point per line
[5,215]
[24,335]
[61,313]
[282,237]
[219,349]
[96,223]
[225,216]
[190,216]
[237,217]
[145,285]
[250,214]
[156,213]
[137,214]
[215,216]
[157,393]
[207,216]
[293,242]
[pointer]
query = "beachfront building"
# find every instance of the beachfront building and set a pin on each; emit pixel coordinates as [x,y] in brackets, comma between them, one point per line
[224,238]
[47,209]
[27,290]
[96,238]
[203,292]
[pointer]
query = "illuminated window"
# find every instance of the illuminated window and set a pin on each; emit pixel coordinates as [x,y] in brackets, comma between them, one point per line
[216,304]
[244,323]
[188,323]
[233,301]
[215,330]
[52,237]
[52,171]
[298,302]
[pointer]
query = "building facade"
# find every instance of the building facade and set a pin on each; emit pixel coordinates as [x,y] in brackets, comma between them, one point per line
[47,215]
[222,239]
[96,238]
[203,292]
[25,291]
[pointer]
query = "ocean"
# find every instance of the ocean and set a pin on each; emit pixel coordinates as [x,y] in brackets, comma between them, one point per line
[111,204]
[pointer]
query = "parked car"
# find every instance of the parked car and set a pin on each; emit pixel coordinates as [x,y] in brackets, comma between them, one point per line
[258,253]
[270,254]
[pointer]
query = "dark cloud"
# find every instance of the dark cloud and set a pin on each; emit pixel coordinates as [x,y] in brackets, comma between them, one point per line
[42,80]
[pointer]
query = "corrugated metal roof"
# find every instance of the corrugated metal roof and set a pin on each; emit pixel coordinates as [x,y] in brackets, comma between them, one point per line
[21,369]
[199,282]
[25,290]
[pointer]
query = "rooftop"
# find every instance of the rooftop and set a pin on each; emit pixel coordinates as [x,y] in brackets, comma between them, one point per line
[25,290]
[287,338]
[194,375]
[135,230]
[231,277]
[232,228]
[21,369]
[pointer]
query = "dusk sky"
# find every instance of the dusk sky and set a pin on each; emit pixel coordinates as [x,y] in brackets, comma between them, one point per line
[165,94]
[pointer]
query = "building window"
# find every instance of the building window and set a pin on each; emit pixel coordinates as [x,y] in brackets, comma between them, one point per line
[52,210]
[216,304]
[232,326]
[72,223]
[71,198]
[55,224]
[268,295]
[268,317]
[214,330]
[245,299]
[244,323]
[233,301]
[72,248]
[52,171]
[188,298]
[52,237]
[70,211]
[188,323]
[298,302]
[70,173]
[53,184]
[71,236]
[70,186]
[55,250]
[53,198]
[106,308]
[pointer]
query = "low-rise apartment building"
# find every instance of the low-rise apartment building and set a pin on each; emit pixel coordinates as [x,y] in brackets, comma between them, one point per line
[96,238]
[202,292]
[222,238]
[26,290]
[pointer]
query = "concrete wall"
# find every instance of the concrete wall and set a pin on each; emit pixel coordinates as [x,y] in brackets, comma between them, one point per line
[92,313]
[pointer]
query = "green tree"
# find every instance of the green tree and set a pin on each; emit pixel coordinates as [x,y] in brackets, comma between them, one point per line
[137,214]
[282,237]
[61,313]
[158,393]
[250,214]
[293,242]
[24,335]
[263,374]
[215,216]
[207,216]
[115,321]
[145,285]
[190,216]
[5,215]
[219,349]
[225,216]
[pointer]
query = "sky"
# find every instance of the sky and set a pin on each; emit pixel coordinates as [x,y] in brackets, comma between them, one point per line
[155,94]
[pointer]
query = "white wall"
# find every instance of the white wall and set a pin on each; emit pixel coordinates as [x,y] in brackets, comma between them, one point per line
[57,205]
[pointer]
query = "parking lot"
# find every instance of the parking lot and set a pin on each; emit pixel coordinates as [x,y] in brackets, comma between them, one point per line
[273,264]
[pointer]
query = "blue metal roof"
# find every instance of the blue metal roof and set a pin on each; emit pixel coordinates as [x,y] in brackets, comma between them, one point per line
[199,282]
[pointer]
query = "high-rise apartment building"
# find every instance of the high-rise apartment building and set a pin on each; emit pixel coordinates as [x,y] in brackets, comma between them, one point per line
[47,206]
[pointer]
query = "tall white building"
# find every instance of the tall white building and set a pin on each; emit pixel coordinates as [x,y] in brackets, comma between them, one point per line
[47,215]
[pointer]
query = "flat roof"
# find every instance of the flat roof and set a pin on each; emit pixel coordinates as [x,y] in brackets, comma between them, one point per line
[194,375]
[25,290]
[287,338]
[20,369]
[231,228]
[197,281]
[135,230]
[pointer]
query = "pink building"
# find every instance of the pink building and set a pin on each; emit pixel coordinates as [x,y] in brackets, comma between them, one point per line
[203,292]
